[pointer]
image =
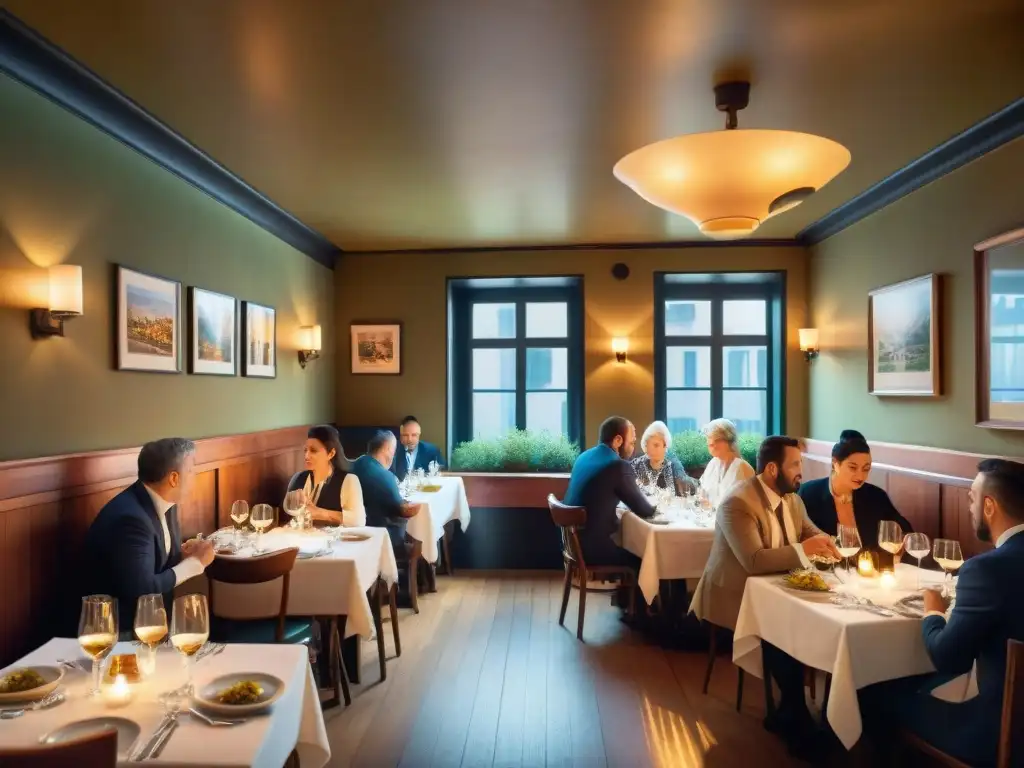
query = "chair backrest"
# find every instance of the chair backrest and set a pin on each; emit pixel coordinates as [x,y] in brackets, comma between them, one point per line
[258,569]
[568,519]
[1011,736]
[98,750]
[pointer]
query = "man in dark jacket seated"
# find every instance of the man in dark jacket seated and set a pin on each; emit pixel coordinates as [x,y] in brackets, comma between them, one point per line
[989,610]
[602,477]
[381,498]
[133,547]
[415,453]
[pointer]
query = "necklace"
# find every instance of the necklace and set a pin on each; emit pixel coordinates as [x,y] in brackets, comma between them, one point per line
[841,498]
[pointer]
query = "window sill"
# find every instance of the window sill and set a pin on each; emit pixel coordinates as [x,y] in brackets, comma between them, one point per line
[518,490]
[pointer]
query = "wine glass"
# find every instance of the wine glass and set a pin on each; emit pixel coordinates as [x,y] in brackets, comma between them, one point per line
[890,539]
[917,546]
[190,628]
[295,505]
[948,555]
[151,623]
[848,543]
[261,518]
[97,632]
[239,514]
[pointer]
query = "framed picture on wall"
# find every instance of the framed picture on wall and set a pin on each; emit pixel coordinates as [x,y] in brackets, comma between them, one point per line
[213,333]
[259,334]
[148,333]
[376,348]
[999,316]
[903,339]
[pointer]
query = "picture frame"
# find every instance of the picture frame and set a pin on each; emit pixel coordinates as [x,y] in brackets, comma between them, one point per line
[904,345]
[213,333]
[998,284]
[259,341]
[376,348]
[148,330]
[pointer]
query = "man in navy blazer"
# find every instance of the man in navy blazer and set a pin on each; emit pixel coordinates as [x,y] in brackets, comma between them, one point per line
[415,453]
[133,547]
[988,611]
[602,477]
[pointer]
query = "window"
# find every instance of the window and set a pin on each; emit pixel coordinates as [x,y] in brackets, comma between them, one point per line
[516,357]
[719,350]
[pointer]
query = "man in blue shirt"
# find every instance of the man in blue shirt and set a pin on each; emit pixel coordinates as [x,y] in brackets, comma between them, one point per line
[415,453]
[384,505]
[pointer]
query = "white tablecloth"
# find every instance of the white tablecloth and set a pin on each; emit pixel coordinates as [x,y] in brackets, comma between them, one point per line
[857,647]
[679,550]
[436,509]
[331,585]
[295,722]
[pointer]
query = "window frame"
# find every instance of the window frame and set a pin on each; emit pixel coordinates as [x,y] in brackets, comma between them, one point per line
[718,288]
[462,295]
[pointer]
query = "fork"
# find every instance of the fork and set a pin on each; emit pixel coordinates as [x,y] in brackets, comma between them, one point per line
[210,721]
[50,700]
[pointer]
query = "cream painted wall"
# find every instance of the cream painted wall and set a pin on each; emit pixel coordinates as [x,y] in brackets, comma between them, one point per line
[412,289]
[931,230]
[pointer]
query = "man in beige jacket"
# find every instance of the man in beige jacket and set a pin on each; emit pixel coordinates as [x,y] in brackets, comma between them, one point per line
[762,528]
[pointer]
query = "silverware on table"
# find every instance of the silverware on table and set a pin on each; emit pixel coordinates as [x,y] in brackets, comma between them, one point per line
[72,664]
[210,649]
[50,700]
[211,721]
[143,750]
[164,737]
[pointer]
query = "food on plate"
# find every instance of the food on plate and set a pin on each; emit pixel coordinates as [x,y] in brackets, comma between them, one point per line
[21,680]
[808,580]
[430,488]
[242,692]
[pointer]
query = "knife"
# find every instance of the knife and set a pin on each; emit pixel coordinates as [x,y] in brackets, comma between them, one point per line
[164,738]
[142,752]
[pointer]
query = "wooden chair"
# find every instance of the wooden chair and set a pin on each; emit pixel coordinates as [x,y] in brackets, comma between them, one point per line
[96,751]
[713,630]
[1011,732]
[411,567]
[378,595]
[569,520]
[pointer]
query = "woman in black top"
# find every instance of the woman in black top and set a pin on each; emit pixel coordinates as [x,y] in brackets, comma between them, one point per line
[846,497]
[333,494]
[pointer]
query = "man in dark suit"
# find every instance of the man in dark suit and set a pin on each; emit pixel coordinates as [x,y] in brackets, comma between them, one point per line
[602,477]
[989,611]
[415,453]
[381,498]
[133,547]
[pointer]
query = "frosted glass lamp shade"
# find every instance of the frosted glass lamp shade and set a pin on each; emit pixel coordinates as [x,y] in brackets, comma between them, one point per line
[808,339]
[312,338]
[65,290]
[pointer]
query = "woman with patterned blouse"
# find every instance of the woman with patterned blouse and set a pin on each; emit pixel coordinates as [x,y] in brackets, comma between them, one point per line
[656,467]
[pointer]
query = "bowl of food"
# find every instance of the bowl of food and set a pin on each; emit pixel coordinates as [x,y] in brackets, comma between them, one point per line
[29,683]
[429,488]
[239,694]
[805,580]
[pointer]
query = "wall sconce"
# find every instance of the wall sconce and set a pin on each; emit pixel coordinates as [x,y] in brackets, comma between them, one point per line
[809,343]
[65,302]
[620,347]
[311,344]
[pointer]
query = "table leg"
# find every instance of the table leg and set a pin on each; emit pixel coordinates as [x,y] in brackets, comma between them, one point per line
[350,654]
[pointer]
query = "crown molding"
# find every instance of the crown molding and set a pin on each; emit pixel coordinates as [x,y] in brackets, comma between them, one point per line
[665,245]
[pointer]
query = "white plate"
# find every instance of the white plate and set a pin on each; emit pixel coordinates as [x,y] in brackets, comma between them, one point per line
[52,676]
[206,695]
[127,732]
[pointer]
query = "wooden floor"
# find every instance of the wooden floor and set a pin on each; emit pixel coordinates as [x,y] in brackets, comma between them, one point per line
[487,677]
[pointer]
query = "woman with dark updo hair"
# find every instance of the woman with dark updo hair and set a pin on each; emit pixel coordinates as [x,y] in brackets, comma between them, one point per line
[846,497]
[333,494]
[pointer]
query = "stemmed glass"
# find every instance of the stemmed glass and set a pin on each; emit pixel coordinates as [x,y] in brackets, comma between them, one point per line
[190,629]
[917,546]
[261,517]
[848,543]
[295,505]
[97,632]
[239,514]
[151,624]
[949,557]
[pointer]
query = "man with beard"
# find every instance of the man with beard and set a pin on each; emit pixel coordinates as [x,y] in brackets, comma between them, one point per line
[762,527]
[989,611]
[602,477]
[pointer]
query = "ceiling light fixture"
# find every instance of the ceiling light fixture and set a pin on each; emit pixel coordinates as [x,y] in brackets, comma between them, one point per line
[728,182]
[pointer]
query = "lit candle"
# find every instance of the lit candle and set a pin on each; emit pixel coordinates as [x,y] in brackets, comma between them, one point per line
[118,693]
[888,579]
[866,565]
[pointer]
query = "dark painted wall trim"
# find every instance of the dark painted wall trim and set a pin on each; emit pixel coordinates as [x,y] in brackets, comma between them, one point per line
[991,133]
[31,59]
[594,247]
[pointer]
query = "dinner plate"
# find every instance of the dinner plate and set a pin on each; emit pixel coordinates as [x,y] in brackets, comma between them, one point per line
[127,732]
[51,675]
[354,537]
[206,695]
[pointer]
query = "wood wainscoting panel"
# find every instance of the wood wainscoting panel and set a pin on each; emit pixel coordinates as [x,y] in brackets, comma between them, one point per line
[917,500]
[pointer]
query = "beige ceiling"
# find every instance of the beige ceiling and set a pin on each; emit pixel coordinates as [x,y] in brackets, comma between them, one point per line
[440,123]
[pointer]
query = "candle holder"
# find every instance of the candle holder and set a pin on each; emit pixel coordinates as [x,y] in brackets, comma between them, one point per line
[867,565]
[118,693]
[887,579]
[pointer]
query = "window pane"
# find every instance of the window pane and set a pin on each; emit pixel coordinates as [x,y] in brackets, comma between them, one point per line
[688,366]
[547,412]
[548,320]
[494,321]
[745,367]
[687,318]
[494,413]
[547,368]
[747,317]
[494,369]
[1007,372]
[747,409]
[687,409]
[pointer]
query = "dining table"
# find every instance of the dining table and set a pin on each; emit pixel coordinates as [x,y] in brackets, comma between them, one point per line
[852,632]
[437,508]
[294,721]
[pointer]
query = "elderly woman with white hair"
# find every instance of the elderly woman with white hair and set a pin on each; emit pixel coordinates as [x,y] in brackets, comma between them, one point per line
[727,467]
[656,467]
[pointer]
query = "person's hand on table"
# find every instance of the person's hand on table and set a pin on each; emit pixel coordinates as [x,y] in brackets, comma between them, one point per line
[934,601]
[323,515]
[820,546]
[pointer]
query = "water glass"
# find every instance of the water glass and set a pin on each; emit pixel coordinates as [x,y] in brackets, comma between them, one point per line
[848,543]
